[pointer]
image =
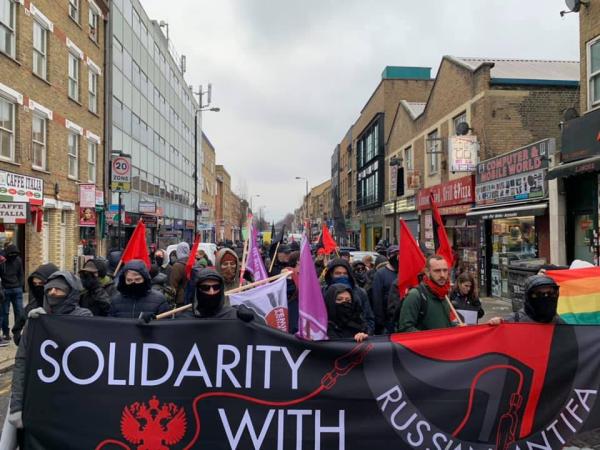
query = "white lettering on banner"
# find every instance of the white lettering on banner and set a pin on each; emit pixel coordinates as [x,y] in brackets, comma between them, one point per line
[258,434]
[232,365]
[417,431]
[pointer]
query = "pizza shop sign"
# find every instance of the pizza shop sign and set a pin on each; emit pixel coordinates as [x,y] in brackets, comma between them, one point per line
[456,192]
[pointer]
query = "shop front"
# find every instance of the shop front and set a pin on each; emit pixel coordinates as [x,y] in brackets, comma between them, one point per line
[22,215]
[578,178]
[454,200]
[511,195]
[371,229]
[405,209]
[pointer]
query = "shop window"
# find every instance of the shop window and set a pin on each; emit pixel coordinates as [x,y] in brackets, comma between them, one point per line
[38,141]
[594,73]
[7,27]
[93,23]
[461,118]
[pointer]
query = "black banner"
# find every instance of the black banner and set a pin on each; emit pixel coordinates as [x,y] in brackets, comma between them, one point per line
[183,384]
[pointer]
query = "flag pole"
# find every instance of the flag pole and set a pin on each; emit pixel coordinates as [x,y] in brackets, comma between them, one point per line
[460,322]
[274,257]
[284,273]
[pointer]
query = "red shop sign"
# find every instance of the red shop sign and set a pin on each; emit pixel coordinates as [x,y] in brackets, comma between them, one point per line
[455,192]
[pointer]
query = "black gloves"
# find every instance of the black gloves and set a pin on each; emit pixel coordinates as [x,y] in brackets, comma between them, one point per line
[146,317]
[245,314]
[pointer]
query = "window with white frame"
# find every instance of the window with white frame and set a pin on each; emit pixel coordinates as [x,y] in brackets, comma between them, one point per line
[461,118]
[594,73]
[433,149]
[74,10]
[73,148]
[38,141]
[7,130]
[92,153]
[7,27]
[408,159]
[40,50]
[73,77]
[93,91]
[93,21]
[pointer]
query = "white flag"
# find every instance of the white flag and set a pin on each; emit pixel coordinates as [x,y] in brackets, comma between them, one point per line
[268,301]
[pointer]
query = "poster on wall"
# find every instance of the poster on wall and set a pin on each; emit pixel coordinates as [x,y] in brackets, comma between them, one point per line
[87,217]
[496,283]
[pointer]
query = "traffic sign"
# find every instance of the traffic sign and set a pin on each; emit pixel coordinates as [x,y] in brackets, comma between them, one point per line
[120,179]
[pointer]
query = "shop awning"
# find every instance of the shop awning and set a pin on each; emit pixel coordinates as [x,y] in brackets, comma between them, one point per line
[531,209]
[576,167]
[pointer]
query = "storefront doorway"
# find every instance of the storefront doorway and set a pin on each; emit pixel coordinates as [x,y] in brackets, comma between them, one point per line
[582,205]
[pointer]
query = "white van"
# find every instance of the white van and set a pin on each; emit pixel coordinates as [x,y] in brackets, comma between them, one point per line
[209,248]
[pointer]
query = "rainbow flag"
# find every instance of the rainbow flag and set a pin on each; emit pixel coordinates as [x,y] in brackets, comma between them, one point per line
[579,300]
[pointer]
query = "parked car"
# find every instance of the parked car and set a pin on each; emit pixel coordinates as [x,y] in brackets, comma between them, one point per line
[359,255]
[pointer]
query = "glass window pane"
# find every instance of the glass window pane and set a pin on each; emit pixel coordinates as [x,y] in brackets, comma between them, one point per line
[595,57]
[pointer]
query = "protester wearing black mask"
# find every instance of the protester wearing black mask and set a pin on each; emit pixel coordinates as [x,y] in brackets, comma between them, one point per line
[383,280]
[35,285]
[541,300]
[61,296]
[94,295]
[209,299]
[359,270]
[344,314]
[135,296]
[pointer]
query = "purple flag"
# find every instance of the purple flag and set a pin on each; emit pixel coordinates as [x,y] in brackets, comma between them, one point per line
[312,323]
[255,263]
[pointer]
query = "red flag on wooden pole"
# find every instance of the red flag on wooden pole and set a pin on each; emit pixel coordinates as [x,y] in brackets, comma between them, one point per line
[410,260]
[192,257]
[444,248]
[136,247]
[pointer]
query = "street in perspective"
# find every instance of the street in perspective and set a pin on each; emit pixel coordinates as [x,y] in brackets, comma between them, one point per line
[259,224]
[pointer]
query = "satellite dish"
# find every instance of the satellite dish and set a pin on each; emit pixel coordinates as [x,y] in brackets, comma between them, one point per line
[462,128]
[575,5]
[570,114]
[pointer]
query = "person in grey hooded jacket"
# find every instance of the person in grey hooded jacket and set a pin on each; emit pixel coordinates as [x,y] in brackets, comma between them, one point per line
[177,277]
[61,297]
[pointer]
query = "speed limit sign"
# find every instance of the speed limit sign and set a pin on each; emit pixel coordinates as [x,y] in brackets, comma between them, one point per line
[120,178]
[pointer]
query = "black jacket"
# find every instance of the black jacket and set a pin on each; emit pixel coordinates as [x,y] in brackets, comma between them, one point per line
[358,293]
[382,282]
[43,272]
[460,301]
[125,306]
[336,327]
[11,271]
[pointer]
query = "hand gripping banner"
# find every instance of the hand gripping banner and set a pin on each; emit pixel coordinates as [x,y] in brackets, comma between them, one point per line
[116,384]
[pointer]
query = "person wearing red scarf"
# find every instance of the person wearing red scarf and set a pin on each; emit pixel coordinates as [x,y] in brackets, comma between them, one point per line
[426,307]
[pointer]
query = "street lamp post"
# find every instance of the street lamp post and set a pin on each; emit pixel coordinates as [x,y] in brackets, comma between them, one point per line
[251,197]
[198,125]
[395,162]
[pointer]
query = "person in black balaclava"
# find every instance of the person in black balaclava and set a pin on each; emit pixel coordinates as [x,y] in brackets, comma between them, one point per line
[344,315]
[359,270]
[61,296]
[135,296]
[209,299]
[339,272]
[95,296]
[541,300]
[35,286]
[383,280]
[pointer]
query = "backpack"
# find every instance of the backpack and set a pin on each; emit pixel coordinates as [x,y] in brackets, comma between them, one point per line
[395,304]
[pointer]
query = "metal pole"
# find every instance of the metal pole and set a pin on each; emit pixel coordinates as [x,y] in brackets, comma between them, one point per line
[196,172]
[395,224]
[119,223]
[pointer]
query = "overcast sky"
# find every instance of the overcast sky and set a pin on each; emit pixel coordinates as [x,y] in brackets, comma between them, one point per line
[291,77]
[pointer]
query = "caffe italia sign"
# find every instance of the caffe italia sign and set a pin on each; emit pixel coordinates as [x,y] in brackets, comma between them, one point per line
[20,188]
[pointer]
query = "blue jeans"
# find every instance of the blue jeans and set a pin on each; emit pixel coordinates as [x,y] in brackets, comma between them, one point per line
[14,296]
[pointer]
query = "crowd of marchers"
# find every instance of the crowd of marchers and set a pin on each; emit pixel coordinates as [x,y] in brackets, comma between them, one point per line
[361,297]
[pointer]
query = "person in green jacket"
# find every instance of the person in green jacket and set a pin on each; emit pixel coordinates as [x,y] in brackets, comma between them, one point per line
[426,307]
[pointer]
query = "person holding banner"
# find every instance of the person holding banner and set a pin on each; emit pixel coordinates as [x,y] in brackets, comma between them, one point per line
[209,301]
[464,296]
[135,297]
[61,296]
[344,314]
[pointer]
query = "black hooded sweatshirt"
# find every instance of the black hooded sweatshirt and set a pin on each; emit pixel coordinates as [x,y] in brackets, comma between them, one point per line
[11,271]
[343,327]
[43,272]
[126,306]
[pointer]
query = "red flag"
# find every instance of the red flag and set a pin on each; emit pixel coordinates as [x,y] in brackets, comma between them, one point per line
[189,265]
[329,244]
[136,247]
[410,260]
[444,248]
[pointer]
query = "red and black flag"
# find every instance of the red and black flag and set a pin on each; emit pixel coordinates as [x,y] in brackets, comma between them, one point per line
[442,247]
[411,261]
[326,241]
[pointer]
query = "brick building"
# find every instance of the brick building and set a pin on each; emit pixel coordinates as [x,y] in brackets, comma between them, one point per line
[478,109]
[52,67]
[209,191]
[228,208]
[575,185]
[319,206]
[363,150]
